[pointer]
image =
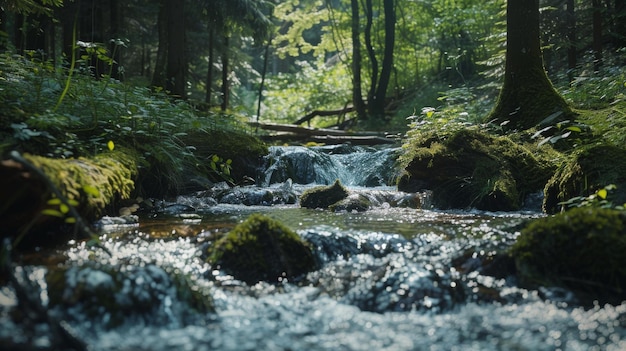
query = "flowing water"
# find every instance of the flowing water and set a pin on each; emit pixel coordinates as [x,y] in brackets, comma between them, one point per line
[399,276]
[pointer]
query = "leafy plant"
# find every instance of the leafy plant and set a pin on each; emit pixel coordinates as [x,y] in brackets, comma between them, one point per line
[598,199]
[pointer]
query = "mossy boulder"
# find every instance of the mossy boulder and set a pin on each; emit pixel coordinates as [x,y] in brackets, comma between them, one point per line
[112,294]
[323,196]
[91,184]
[588,170]
[354,202]
[581,249]
[262,249]
[471,168]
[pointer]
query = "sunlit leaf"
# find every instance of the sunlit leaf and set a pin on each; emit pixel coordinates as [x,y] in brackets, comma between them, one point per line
[574,129]
[70,220]
[215,158]
[52,212]
[72,202]
[54,201]
[64,208]
[91,190]
[602,193]
[111,145]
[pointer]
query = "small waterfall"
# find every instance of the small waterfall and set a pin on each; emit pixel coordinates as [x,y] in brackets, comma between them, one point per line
[352,165]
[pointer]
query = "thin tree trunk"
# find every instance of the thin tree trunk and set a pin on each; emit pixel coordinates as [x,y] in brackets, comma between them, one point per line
[357,95]
[158,77]
[597,34]
[378,104]
[369,12]
[176,60]
[620,23]
[571,35]
[209,71]
[225,72]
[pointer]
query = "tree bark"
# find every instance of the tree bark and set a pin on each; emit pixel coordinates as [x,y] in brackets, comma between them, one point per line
[369,12]
[357,95]
[597,34]
[571,35]
[620,24]
[225,72]
[377,107]
[158,77]
[176,60]
[209,71]
[527,96]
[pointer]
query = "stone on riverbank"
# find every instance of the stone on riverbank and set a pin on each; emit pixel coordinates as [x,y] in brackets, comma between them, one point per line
[471,168]
[587,171]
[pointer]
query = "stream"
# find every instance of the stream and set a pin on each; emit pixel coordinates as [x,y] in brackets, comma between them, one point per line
[399,276]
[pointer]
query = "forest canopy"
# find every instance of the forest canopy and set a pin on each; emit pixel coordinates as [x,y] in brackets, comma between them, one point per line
[280,60]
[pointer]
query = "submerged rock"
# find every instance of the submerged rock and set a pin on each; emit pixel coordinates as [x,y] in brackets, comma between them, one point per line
[581,249]
[323,196]
[262,249]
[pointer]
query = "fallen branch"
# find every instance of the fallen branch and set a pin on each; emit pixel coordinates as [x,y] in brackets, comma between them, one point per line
[323,113]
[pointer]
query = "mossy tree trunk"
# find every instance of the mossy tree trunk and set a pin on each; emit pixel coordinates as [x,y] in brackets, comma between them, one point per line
[527,96]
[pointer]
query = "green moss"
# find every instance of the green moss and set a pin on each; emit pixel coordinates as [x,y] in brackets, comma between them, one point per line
[262,248]
[111,173]
[588,170]
[471,168]
[323,196]
[582,249]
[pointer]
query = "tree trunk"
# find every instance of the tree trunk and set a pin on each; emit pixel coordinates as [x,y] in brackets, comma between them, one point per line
[597,34]
[225,72]
[209,71]
[620,24]
[114,48]
[176,60]
[357,95]
[158,77]
[571,35]
[377,107]
[527,96]
[369,12]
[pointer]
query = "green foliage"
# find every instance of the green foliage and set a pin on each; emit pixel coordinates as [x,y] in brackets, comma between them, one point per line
[581,248]
[97,112]
[291,96]
[598,199]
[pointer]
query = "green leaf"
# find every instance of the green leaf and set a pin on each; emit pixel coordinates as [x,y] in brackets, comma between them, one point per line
[602,193]
[54,201]
[91,190]
[70,220]
[51,212]
[64,208]
[111,145]
[574,129]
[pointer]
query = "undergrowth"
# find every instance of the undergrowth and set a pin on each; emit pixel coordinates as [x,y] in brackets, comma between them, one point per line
[93,112]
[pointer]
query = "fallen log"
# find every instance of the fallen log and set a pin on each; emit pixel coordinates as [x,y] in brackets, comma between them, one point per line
[324,113]
[366,140]
[307,130]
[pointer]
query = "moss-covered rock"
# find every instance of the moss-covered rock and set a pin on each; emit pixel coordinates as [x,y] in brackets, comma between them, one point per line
[112,295]
[323,196]
[262,249]
[471,168]
[90,184]
[582,249]
[354,202]
[588,170]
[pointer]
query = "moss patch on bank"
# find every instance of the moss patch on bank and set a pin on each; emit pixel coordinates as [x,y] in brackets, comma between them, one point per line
[471,168]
